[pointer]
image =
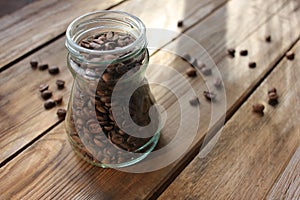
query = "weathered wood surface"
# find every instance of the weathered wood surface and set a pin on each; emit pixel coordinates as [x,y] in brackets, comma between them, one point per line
[92,182]
[288,185]
[252,149]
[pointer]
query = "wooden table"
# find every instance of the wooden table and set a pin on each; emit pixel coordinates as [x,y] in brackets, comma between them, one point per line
[251,157]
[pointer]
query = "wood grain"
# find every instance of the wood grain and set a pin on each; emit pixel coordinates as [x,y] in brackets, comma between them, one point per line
[288,185]
[76,179]
[251,150]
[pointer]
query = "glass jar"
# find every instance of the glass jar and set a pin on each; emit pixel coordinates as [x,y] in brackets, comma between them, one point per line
[111,119]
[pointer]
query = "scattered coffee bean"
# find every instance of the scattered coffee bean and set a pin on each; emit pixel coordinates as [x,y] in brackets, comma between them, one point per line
[58,100]
[244,52]
[61,113]
[43,87]
[218,83]
[211,96]
[268,38]
[34,64]
[191,72]
[53,70]
[272,90]
[186,57]
[43,67]
[194,101]
[273,97]
[49,104]
[180,23]
[206,71]
[46,94]
[258,108]
[60,84]
[231,52]
[290,55]
[252,64]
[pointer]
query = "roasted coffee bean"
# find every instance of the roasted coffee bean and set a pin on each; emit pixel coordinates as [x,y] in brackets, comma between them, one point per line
[211,96]
[34,64]
[186,57]
[43,67]
[53,70]
[258,108]
[61,113]
[180,23]
[49,104]
[194,101]
[271,90]
[58,100]
[60,84]
[252,64]
[46,94]
[43,87]
[231,52]
[268,38]
[273,98]
[218,83]
[244,52]
[290,55]
[191,72]
[206,71]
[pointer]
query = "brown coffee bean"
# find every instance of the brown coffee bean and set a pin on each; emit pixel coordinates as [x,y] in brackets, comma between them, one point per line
[273,98]
[252,64]
[98,143]
[43,87]
[231,52]
[49,104]
[290,55]
[117,139]
[194,101]
[61,113]
[53,70]
[46,94]
[180,23]
[191,72]
[244,52]
[218,83]
[258,108]
[34,64]
[60,84]
[272,90]
[211,96]
[43,67]
[268,38]
[58,100]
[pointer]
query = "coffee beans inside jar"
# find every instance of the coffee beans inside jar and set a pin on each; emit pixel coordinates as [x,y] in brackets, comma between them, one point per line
[111,120]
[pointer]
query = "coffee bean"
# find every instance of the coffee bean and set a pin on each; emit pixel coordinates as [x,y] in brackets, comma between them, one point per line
[231,52]
[252,64]
[211,96]
[268,38]
[43,87]
[258,108]
[53,70]
[191,72]
[180,23]
[49,104]
[194,101]
[61,113]
[272,90]
[60,84]
[206,71]
[244,52]
[58,100]
[46,94]
[34,64]
[290,55]
[218,83]
[43,67]
[273,97]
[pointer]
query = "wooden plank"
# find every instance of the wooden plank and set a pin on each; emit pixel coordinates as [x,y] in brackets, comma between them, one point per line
[288,185]
[33,20]
[93,182]
[20,127]
[252,149]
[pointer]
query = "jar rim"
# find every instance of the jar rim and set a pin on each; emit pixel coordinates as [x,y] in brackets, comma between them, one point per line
[73,46]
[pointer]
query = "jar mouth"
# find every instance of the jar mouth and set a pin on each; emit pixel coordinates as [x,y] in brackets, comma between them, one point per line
[124,19]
